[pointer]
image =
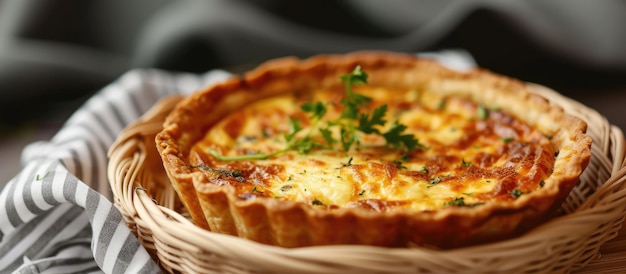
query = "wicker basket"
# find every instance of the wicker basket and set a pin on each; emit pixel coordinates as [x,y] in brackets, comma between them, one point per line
[594,212]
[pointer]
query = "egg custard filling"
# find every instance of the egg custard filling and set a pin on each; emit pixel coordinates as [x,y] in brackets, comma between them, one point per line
[464,154]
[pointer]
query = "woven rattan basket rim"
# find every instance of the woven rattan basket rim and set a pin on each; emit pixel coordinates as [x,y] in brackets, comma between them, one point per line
[560,245]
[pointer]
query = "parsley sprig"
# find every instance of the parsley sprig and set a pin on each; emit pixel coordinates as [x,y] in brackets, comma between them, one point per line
[302,145]
[351,124]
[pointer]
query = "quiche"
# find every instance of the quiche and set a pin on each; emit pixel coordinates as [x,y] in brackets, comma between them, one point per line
[371,148]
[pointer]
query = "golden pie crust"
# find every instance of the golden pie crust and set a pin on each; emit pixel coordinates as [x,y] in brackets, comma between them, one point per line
[231,204]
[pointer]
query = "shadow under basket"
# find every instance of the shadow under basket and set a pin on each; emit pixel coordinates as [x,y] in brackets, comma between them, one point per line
[593,214]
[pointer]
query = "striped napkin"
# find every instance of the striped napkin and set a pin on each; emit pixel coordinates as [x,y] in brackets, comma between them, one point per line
[56,215]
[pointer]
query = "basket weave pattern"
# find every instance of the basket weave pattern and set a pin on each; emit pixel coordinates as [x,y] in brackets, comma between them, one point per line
[593,214]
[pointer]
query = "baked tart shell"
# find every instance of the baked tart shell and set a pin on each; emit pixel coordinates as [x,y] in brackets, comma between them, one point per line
[294,224]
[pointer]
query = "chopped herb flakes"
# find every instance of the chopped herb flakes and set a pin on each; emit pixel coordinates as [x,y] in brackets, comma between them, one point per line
[460,201]
[465,164]
[516,193]
[482,112]
[316,202]
[349,163]
[234,174]
[435,180]
[399,164]
[441,105]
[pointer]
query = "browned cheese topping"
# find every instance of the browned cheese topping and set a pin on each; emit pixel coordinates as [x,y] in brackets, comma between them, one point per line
[467,154]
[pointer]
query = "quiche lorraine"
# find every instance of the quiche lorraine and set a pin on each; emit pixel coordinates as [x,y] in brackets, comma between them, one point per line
[372,148]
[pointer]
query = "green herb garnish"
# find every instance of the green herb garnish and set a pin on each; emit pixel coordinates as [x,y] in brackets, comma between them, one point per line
[317,202]
[465,164]
[398,164]
[460,201]
[349,163]
[435,180]
[395,138]
[516,193]
[256,190]
[482,112]
[236,174]
[352,122]
[442,104]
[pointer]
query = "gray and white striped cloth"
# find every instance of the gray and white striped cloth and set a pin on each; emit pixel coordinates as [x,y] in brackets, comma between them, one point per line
[56,215]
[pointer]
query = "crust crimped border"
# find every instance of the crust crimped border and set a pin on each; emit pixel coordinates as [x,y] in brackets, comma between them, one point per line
[292,224]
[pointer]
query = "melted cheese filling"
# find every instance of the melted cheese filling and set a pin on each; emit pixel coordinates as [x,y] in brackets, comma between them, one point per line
[470,155]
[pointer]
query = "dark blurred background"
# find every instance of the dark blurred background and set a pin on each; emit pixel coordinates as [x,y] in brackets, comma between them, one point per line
[54,54]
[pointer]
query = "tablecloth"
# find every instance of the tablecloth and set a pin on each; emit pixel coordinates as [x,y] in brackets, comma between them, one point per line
[57,215]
